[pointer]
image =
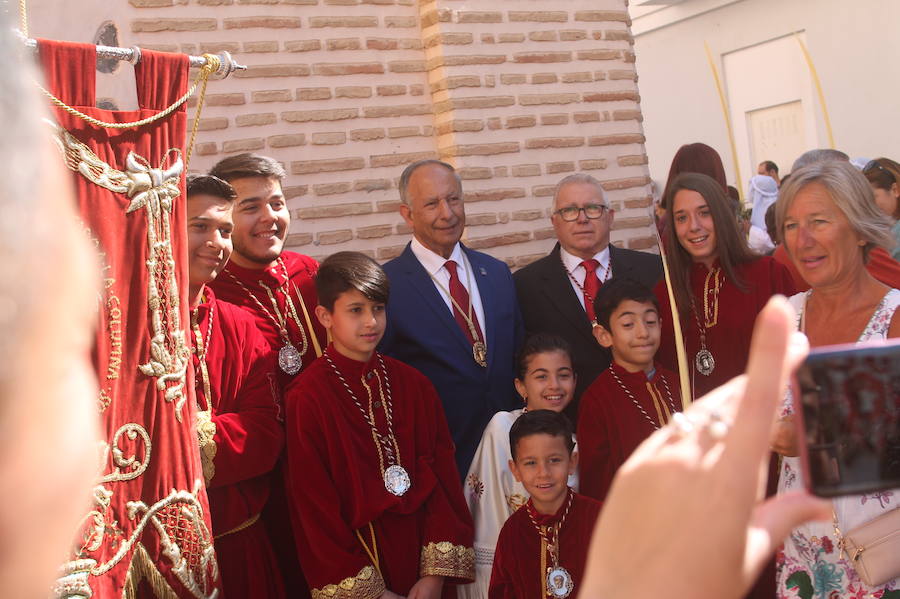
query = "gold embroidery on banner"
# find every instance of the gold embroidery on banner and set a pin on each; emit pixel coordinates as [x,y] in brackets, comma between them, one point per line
[183,537]
[154,190]
[114,327]
[132,467]
[113,322]
[73,580]
[367,584]
[104,400]
[447,559]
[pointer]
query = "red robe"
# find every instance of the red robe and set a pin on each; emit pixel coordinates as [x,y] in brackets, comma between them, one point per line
[610,426]
[517,570]
[301,271]
[881,266]
[247,442]
[729,340]
[336,487]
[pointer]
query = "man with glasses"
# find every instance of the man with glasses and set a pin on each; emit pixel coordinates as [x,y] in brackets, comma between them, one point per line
[556,292]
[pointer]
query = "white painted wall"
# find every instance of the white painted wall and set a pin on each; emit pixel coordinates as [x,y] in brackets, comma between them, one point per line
[855,47]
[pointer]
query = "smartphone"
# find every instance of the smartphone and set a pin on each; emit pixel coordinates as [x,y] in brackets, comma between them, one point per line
[847,407]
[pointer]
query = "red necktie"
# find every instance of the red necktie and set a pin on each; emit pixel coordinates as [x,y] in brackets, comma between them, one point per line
[461,302]
[591,287]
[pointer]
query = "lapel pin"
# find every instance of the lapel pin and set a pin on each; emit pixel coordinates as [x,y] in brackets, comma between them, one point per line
[482,270]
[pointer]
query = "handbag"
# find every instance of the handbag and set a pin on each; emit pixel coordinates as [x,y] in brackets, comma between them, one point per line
[873,548]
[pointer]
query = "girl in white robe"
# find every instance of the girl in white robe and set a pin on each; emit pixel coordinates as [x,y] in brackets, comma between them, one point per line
[545,381]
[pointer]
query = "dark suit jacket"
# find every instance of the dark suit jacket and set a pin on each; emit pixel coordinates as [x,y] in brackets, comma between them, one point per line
[422,332]
[549,305]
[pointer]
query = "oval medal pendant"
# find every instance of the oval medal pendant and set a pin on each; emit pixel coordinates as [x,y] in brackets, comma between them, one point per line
[559,582]
[289,359]
[396,480]
[704,362]
[479,352]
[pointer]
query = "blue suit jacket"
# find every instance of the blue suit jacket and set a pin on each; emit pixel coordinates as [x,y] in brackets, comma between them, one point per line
[422,332]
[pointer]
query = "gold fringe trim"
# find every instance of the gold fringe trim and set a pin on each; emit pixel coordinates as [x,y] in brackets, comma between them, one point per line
[142,568]
[367,584]
[447,559]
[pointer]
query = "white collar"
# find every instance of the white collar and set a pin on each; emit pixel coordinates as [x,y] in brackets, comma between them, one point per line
[433,262]
[572,262]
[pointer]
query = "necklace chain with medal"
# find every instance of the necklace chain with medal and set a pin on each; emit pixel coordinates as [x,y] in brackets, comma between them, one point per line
[638,405]
[396,478]
[606,273]
[479,346]
[704,361]
[559,582]
[206,430]
[290,359]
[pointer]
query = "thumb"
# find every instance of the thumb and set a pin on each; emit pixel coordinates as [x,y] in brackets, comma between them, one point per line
[775,518]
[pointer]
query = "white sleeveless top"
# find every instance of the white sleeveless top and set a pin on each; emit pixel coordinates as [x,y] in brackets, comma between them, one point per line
[811,555]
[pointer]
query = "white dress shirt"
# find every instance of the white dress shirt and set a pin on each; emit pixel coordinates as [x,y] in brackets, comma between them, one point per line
[573,264]
[434,266]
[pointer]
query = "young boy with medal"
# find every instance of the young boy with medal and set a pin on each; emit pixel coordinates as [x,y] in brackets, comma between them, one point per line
[375,493]
[634,396]
[542,548]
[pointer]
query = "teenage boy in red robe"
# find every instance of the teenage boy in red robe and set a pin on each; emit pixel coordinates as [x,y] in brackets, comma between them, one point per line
[543,546]
[276,287]
[240,436]
[375,493]
[634,396]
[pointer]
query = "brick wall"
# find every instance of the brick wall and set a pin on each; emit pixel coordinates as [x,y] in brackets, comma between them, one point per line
[346,92]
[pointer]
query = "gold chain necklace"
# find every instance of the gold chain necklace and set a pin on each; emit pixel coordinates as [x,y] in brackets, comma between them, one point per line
[711,314]
[479,346]
[200,348]
[640,407]
[396,478]
[290,359]
[559,582]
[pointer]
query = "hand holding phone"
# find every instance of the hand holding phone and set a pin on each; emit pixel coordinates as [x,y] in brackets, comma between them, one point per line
[847,410]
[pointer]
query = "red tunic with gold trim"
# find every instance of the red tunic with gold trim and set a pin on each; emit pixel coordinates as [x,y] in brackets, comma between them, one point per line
[612,423]
[732,314]
[520,571]
[247,442]
[292,274]
[337,489]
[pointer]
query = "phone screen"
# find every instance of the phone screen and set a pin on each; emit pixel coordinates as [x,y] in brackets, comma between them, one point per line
[850,403]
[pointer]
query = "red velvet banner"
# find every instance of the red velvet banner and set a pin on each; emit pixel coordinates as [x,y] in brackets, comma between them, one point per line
[148,534]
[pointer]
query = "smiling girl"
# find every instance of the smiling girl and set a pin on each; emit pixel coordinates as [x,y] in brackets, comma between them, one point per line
[719,284]
[545,381]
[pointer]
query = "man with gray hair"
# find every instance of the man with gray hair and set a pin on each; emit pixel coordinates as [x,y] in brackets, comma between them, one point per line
[452,311]
[556,293]
[819,155]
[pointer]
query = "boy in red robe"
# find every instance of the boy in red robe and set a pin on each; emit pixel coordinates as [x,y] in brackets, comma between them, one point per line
[542,547]
[375,493]
[634,396]
[237,424]
[276,287]
[273,285]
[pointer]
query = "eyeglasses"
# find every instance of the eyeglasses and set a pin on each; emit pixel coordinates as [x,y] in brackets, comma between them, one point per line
[591,211]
